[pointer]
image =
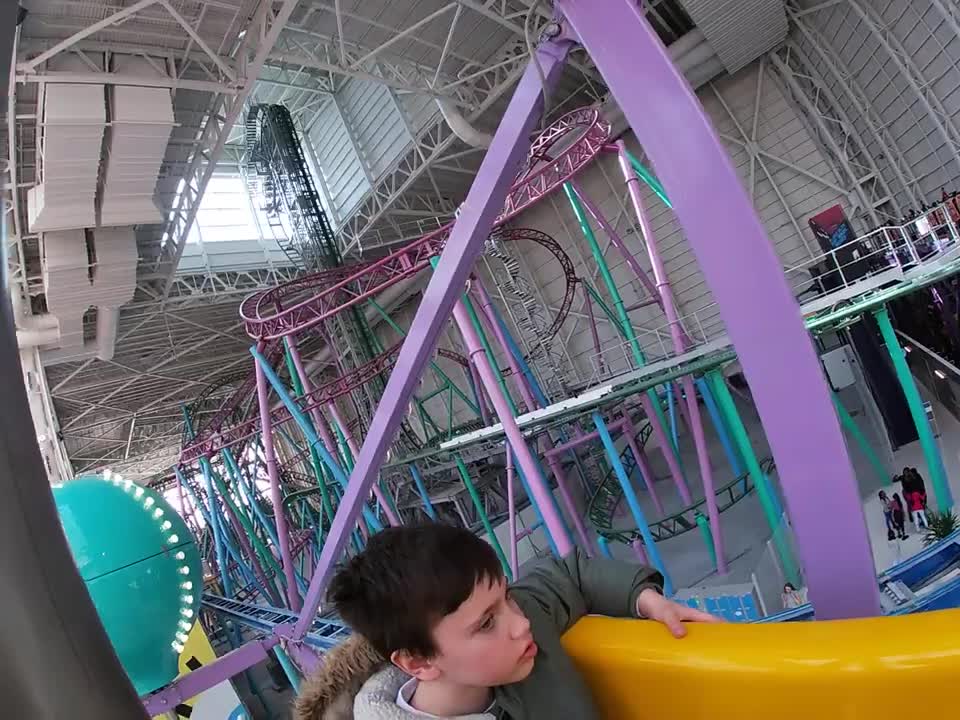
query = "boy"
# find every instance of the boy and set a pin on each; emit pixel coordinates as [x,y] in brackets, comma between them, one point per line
[441,636]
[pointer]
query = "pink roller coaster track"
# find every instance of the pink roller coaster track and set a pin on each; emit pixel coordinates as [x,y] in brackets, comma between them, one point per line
[556,155]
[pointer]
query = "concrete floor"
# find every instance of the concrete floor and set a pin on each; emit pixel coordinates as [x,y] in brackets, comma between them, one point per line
[744,528]
[948,439]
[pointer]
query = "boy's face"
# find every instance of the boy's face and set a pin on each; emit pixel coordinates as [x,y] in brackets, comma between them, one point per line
[486,642]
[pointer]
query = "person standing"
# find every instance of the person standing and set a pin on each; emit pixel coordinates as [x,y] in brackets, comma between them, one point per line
[887,514]
[791,597]
[919,485]
[916,501]
[899,515]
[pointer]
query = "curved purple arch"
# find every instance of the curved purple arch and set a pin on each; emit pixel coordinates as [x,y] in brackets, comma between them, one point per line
[731,245]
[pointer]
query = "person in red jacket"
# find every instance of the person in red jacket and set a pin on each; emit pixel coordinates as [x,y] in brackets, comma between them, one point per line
[916,501]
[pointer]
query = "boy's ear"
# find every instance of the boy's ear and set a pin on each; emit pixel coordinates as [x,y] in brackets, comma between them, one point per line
[414,665]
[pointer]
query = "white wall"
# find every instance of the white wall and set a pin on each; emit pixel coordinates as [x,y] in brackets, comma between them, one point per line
[344,178]
[899,59]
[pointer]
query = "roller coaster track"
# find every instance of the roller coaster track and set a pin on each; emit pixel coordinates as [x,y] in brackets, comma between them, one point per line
[213,441]
[556,155]
[389,269]
[604,503]
[530,318]
[329,294]
[324,633]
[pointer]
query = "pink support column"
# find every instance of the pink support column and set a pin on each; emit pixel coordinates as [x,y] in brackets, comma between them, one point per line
[319,421]
[683,410]
[276,496]
[486,303]
[694,421]
[481,395]
[630,432]
[730,243]
[464,245]
[640,551]
[355,451]
[666,447]
[616,241]
[601,366]
[512,515]
[541,494]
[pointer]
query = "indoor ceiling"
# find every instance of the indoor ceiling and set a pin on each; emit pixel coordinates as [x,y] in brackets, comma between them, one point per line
[182,331]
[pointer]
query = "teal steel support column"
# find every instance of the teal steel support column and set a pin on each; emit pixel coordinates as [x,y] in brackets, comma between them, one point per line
[851,427]
[767,500]
[931,453]
[707,536]
[288,668]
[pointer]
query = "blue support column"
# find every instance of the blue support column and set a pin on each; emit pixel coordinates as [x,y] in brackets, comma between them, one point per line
[306,427]
[422,489]
[632,501]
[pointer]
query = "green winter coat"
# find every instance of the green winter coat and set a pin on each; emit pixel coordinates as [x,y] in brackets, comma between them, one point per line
[354,684]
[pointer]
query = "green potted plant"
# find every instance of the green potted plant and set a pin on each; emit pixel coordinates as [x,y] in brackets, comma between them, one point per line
[940,525]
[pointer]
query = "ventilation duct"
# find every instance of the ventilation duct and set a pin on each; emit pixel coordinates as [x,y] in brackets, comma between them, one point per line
[73,121]
[83,269]
[141,120]
[739,30]
[692,55]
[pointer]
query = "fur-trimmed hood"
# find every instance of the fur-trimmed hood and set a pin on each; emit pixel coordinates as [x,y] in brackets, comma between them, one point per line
[355,683]
[328,694]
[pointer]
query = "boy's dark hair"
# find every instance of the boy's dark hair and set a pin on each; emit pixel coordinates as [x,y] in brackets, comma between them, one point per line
[406,580]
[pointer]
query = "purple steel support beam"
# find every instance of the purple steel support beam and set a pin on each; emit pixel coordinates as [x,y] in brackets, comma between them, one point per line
[730,244]
[276,496]
[484,202]
[563,484]
[616,241]
[207,676]
[680,344]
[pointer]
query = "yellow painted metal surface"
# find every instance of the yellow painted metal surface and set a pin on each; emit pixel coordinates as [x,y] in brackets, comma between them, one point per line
[874,668]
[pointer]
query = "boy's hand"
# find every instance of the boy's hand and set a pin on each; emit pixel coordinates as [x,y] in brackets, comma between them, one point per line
[654,606]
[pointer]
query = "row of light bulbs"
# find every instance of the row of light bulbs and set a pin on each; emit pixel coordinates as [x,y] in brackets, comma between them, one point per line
[185,624]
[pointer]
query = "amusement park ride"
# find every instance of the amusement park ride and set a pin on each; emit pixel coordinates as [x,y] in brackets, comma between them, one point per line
[294,463]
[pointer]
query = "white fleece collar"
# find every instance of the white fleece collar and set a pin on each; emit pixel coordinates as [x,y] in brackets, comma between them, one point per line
[377,699]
